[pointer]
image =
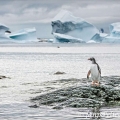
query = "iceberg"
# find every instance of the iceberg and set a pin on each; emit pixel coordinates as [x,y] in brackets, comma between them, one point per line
[110,39]
[99,37]
[3,31]
[28,34]
[25,35]
[68,28]
[114,36]
[115,29]
[66,38]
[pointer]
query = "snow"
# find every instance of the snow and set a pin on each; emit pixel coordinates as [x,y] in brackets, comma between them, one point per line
[66,24]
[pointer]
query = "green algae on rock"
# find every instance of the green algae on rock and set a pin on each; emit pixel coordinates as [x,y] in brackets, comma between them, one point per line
[108,93]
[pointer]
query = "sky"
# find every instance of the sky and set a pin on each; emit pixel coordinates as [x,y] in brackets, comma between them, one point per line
[19,14]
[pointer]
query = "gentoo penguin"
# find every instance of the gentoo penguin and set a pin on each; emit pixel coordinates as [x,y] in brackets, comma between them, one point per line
[95,72]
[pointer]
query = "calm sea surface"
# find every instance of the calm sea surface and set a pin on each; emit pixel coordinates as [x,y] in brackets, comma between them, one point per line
[31,66]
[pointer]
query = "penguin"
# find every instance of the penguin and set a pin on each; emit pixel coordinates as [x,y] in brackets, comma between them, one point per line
[95,72]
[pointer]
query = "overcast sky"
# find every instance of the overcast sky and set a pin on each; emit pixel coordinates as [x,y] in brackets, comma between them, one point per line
[18,14]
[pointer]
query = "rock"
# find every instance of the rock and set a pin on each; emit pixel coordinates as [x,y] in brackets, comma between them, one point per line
[34,106]
[108,93]
[59,73]
[42,40]
[58,107]
[2,77]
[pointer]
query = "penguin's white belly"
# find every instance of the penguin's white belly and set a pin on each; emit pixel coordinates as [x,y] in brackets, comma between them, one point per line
[95,75]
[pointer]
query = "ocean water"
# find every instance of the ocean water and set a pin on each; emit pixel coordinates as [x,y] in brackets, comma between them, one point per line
[31,68]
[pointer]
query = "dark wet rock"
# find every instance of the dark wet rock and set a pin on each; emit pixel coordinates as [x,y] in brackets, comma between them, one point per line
[59,73]
[58,107]
[2,77]
[34,106]
[108,93]
[4,87]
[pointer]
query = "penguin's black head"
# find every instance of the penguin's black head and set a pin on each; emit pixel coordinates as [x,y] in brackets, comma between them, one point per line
[92,59]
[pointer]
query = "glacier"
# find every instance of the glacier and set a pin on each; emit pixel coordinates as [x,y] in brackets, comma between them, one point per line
[27,34]
[67,28]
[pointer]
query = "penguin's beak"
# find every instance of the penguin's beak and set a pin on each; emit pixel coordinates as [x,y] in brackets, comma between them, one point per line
[89,59]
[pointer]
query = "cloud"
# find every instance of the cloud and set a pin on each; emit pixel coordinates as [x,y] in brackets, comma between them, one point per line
[19,14]
[28,11]
[31,15]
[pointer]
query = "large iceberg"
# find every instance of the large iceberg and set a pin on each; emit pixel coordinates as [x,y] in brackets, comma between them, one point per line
[28,34]
[25,35]
[67,28]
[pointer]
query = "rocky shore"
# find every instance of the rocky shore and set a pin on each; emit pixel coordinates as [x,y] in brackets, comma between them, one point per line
[83,95]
